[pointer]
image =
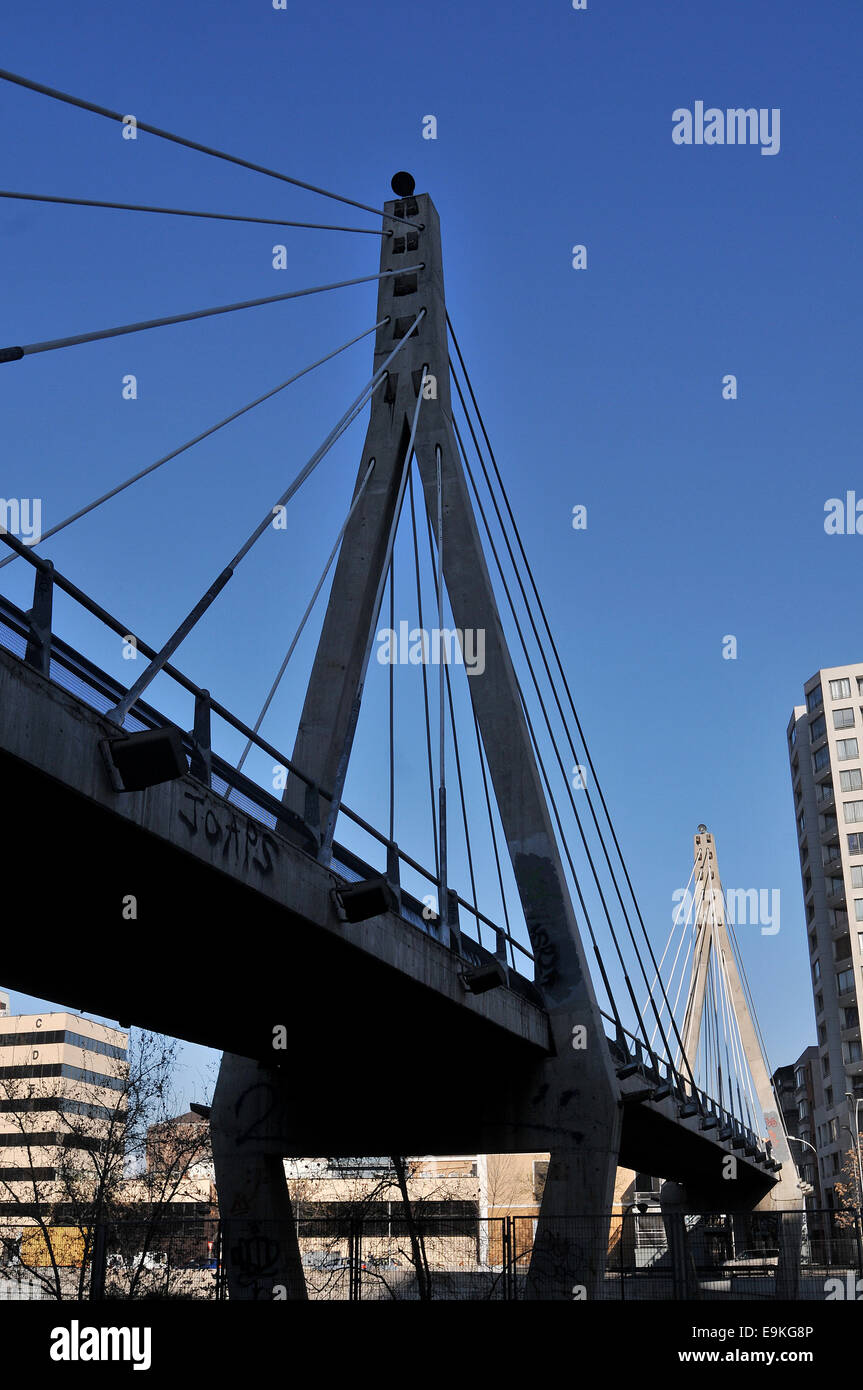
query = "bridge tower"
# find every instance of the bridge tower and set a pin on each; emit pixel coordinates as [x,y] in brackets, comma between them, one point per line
[712,941]
[570,1106]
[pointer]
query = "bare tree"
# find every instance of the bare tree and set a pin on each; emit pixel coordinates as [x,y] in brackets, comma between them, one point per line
[104,1179]
[848,1189]
[398,1190]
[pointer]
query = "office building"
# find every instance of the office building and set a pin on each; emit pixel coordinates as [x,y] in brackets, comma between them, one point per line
[62,1084]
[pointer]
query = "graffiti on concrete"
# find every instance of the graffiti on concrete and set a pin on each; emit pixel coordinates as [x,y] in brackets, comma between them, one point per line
[243,843]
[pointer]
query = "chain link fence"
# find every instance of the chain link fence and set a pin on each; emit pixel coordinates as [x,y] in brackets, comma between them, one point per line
[627,1257]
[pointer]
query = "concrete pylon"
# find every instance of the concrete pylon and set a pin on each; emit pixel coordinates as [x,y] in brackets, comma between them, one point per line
[259,1240]
[785,1198]
[673,1204]
[573,1110]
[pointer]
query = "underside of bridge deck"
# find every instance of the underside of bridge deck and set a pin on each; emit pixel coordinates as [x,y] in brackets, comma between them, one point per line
[377,1060]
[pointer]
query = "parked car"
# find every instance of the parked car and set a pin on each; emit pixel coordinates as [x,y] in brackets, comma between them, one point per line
[325,1259]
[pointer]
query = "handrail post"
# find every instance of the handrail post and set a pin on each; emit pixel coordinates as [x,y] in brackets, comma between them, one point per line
[201,762]
[312,812]
[38,654]
[394,871]
[451,921]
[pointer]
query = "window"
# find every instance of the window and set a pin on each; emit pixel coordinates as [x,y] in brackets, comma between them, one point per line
[857,875]
[801,822]
[824,791]
[821,759]
[843,718]
[817,729]
[815,698]
[825,1066]
[813,943]
[853,811]
[858,909]
[92,1078]
[852,780]
[819,1003]
[828,1096]
[860,942]
[851,1017]
[803,1110]
[835,885]
[28,1175]
[852,1051]
[540,1173]
[838,916]
[846,748]
[792,737]
[64,1036]
[800,1077]
[841,689]
[860,685]
[822,1034]
[842,947]
[855,844]
[844,981]
[816,971]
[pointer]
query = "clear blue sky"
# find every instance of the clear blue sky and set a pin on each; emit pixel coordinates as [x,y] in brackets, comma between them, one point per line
[601,387]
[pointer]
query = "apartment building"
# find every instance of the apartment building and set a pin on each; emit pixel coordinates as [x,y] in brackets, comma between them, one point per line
[825,749]
[800,1093]
[61,1076]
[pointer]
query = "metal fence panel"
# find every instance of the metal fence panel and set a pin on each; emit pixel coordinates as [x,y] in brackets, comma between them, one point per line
[623,1258]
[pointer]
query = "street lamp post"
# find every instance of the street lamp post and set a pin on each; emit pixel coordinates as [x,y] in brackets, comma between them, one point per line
[804,1185]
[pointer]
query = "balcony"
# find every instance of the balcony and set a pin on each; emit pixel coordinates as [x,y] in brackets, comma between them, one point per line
[830,833]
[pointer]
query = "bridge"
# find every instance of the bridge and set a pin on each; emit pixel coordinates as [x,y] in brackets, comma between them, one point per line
[182,895]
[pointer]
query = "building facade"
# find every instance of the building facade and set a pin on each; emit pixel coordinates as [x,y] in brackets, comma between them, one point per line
[825,749]
[61,1078]
[800,1093]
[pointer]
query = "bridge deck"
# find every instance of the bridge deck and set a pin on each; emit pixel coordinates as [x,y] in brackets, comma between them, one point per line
[384,1049]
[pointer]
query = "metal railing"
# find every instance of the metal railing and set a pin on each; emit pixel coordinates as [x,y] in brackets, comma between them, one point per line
[634,1057]
[55,659]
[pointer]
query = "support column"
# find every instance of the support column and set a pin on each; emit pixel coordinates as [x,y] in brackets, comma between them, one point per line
[672,1201]
[248,1126]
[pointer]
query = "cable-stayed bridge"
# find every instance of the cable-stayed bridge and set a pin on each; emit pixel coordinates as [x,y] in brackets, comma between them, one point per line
[494,989]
